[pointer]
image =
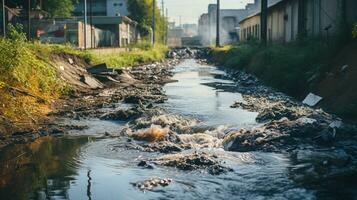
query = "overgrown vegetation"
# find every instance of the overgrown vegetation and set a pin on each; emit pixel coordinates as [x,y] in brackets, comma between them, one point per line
[27,81]
[55,8]
[137,55]
[142,12]
[288,67]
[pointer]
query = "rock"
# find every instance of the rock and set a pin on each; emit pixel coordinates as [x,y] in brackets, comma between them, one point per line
[194,161]
[145,165]
[306,120]
[152,183]
[70,61]
[91,82]
[123,114]
[336,124]
[133,99]
[97,69]
[312,99]
[164,147]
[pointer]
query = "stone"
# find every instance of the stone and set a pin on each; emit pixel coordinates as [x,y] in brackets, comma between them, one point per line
[312,99]
[70,61]
[194,161]
[152,183]
[91,82]
[97,69]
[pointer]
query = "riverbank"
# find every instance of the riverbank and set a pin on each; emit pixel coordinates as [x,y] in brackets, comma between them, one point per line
[34,77]
[153,137]
[299,68]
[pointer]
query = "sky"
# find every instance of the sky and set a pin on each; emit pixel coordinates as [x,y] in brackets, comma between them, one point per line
[190,10]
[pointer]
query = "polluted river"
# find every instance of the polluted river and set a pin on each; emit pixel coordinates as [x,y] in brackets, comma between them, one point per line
[199,132]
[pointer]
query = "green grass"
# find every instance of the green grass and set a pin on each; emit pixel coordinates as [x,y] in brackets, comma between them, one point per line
[22,68]
[26,67]
[287,67]
[133,57]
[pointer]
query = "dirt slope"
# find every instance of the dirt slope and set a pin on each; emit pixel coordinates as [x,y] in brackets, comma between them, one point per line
[339,86]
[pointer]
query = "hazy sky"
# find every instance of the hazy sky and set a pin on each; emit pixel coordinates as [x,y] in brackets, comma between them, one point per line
[190,10]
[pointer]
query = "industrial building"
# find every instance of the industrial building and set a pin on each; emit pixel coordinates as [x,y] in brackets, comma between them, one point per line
[287,19]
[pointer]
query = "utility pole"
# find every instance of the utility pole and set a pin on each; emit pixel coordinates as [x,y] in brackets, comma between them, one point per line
[153,21]
[29,21]
[3,19]
[264,22]
[167,26]
[85,24]
[91,23]
[163,16]
[218,42]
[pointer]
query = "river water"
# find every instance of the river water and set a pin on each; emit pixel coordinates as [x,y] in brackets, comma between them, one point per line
[82,167]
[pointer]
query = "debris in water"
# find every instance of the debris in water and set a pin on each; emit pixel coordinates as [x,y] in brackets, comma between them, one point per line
[152,134]
[194,161]
[312,99]
[152,183]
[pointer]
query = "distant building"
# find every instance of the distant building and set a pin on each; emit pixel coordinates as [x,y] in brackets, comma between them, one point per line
[190,30]
[105,32]
[289,18]
[204,28]
[175,35]
[229,26]
[109,8]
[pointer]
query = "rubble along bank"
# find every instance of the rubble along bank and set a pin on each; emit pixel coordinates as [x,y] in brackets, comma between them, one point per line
[60,72]
[299,68]
[150,128]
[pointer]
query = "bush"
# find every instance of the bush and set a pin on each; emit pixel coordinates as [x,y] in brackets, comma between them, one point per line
[287,67]
[22,69]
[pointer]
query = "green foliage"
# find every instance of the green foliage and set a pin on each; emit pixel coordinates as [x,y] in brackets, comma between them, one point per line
[135,57]
[354,31]
[287,67]
[56,8]
[59,8]
[142,12]
[21,68]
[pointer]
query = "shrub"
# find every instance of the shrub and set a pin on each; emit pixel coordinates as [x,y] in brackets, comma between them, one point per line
[287,67]
[21,68]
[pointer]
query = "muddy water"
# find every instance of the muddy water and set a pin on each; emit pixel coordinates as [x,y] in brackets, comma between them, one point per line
[88,168]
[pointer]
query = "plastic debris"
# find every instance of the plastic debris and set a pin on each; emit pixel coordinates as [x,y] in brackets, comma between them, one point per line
[312,99]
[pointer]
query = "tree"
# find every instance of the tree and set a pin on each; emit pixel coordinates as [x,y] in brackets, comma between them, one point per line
[141,12]
[59,8]
[56,8]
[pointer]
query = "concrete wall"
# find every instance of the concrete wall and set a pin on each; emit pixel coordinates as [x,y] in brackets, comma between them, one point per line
[229,24]
[318,18]
[117,8]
